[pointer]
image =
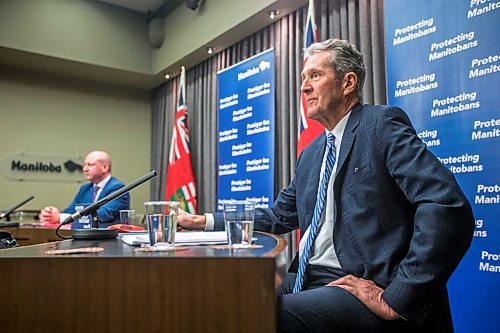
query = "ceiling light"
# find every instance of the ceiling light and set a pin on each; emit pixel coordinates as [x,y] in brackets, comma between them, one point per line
[273,14]
[167,76]
[210,50]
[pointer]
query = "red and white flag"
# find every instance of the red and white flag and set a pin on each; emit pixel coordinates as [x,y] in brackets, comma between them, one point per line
[309,129]
[180,181]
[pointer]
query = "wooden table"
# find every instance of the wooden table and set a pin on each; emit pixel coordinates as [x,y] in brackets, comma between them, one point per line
[199,289]
[34,234]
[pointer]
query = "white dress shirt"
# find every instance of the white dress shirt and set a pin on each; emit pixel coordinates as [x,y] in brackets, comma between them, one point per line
[101,185]
[323,251]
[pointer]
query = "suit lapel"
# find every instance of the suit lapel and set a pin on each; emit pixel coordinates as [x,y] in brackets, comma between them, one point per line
[341,237]
[313,179]
[348,137]
[314,173]
[105,190]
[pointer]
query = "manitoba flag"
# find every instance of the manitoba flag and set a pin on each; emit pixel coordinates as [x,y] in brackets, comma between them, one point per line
[180,181]
[309,129]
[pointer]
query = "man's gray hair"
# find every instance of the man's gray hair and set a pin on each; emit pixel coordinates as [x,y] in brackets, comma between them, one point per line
[344,58]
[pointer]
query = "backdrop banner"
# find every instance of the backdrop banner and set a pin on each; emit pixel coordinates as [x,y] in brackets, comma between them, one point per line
[246,131]
[443,69]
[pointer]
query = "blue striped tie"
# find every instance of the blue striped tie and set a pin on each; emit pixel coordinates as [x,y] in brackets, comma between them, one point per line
[318,210]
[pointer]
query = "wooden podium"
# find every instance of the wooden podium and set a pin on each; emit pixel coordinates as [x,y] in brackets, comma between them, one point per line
[198,289]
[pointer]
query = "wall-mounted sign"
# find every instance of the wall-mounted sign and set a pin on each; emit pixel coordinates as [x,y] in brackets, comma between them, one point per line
[27,167]
[443,69]
[246,131]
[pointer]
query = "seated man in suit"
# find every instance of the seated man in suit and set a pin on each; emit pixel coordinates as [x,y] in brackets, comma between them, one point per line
[383,223]
[97,170]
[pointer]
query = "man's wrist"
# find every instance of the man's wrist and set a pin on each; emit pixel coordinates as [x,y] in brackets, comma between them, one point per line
[208,221]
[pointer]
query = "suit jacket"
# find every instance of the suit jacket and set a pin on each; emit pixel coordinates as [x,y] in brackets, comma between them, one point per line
[108,213]
[401,220]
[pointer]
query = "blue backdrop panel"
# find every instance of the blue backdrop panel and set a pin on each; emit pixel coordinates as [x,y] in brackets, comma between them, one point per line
[443,69]
[246,131]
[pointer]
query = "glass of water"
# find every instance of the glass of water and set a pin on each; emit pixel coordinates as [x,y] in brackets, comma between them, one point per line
[239,220]
[161,218]
[127,216]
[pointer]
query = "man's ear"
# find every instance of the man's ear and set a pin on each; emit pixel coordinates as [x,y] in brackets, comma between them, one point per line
[106,167]
[350,83]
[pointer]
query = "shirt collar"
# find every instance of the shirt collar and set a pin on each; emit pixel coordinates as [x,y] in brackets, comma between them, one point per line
[338,130]
[103,182]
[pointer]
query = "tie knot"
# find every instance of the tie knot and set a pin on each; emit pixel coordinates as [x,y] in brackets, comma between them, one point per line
[330,139]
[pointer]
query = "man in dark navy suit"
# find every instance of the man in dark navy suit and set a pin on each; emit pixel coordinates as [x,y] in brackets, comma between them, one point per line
[97,170]
[383,223]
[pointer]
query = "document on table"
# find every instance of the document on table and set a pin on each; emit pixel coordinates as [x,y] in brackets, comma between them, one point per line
[182,238]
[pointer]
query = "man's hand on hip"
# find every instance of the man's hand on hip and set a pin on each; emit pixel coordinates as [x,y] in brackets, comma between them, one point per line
[368,293]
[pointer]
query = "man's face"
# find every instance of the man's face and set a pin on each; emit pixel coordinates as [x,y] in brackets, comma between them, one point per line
[94,169]
[320,86]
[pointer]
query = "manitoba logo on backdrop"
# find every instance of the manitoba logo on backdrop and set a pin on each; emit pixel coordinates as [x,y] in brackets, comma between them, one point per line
[25,166]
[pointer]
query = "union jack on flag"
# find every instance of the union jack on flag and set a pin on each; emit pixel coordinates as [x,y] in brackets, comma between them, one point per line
[309,129]
[180,180]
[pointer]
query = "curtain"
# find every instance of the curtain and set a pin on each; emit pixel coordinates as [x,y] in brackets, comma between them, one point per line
[359,21]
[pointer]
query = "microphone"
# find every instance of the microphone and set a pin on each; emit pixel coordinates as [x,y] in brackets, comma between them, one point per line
[7,213]
[96,232]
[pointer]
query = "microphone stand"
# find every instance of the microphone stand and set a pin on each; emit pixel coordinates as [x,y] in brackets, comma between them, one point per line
[7,213]
[95,232]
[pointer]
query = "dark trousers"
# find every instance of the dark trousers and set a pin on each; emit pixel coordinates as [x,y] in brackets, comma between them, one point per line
[327,309]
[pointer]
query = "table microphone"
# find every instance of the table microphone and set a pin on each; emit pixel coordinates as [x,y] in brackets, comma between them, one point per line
[7,213]
[95,232]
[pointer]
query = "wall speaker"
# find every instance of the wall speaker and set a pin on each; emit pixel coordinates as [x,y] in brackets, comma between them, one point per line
[155,32]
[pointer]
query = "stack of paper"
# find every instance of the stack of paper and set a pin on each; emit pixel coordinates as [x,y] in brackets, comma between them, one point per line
[183,238]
